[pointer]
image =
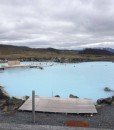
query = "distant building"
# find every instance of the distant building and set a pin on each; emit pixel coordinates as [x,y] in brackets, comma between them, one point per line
[13,62]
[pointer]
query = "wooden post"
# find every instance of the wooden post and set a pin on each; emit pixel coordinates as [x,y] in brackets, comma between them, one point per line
[52,93]
[33,106]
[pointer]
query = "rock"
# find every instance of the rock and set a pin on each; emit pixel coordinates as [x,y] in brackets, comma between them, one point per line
[100,101]
[5,109]
[13,102]
[15,107]
[112,102]
[105,101]
[9,102]
[72,96]
[17,101]
[98,106]
[2,103]
[40,67]
[56,59]
[3,93]
[108,100]
[57,96]
[112,98]
[106,89]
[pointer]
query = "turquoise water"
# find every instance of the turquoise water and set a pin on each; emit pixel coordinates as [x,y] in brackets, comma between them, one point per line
[86,80]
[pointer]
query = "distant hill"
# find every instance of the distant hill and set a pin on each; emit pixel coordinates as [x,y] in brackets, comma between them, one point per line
[109,49]
[24,53]
[19,49]
[95,51]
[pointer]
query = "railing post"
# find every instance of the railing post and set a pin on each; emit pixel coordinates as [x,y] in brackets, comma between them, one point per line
[33,106]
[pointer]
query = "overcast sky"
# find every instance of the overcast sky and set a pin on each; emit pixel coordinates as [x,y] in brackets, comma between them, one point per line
[64,24]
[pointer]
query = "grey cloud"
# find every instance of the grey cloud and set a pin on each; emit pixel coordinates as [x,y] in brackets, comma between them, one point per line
[70,24]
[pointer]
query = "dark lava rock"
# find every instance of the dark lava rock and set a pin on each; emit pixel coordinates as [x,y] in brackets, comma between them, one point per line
[57,96]
[108,100]
[106,89]
[100,101]
[112,98]
[3,93]
[56,59]
[72,96]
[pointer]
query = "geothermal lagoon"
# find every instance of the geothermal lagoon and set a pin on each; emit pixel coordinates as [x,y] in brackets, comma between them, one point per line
[85,80]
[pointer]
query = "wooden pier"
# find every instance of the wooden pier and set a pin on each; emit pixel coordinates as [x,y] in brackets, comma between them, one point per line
[59,105]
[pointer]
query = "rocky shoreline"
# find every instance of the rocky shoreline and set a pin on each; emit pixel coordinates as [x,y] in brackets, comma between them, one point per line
[58,60]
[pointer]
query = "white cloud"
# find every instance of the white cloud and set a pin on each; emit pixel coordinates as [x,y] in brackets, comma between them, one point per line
[70,24]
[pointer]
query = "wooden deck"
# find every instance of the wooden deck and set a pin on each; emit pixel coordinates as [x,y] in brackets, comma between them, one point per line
[59,105]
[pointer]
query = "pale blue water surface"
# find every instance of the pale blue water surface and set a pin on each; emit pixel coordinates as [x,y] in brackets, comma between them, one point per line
[86,80]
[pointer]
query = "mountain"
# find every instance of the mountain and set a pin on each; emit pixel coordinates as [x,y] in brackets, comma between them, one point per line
[11,49]
[95,51]
[109,49]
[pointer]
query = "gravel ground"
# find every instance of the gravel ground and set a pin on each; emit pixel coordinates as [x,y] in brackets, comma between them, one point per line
[104,118]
